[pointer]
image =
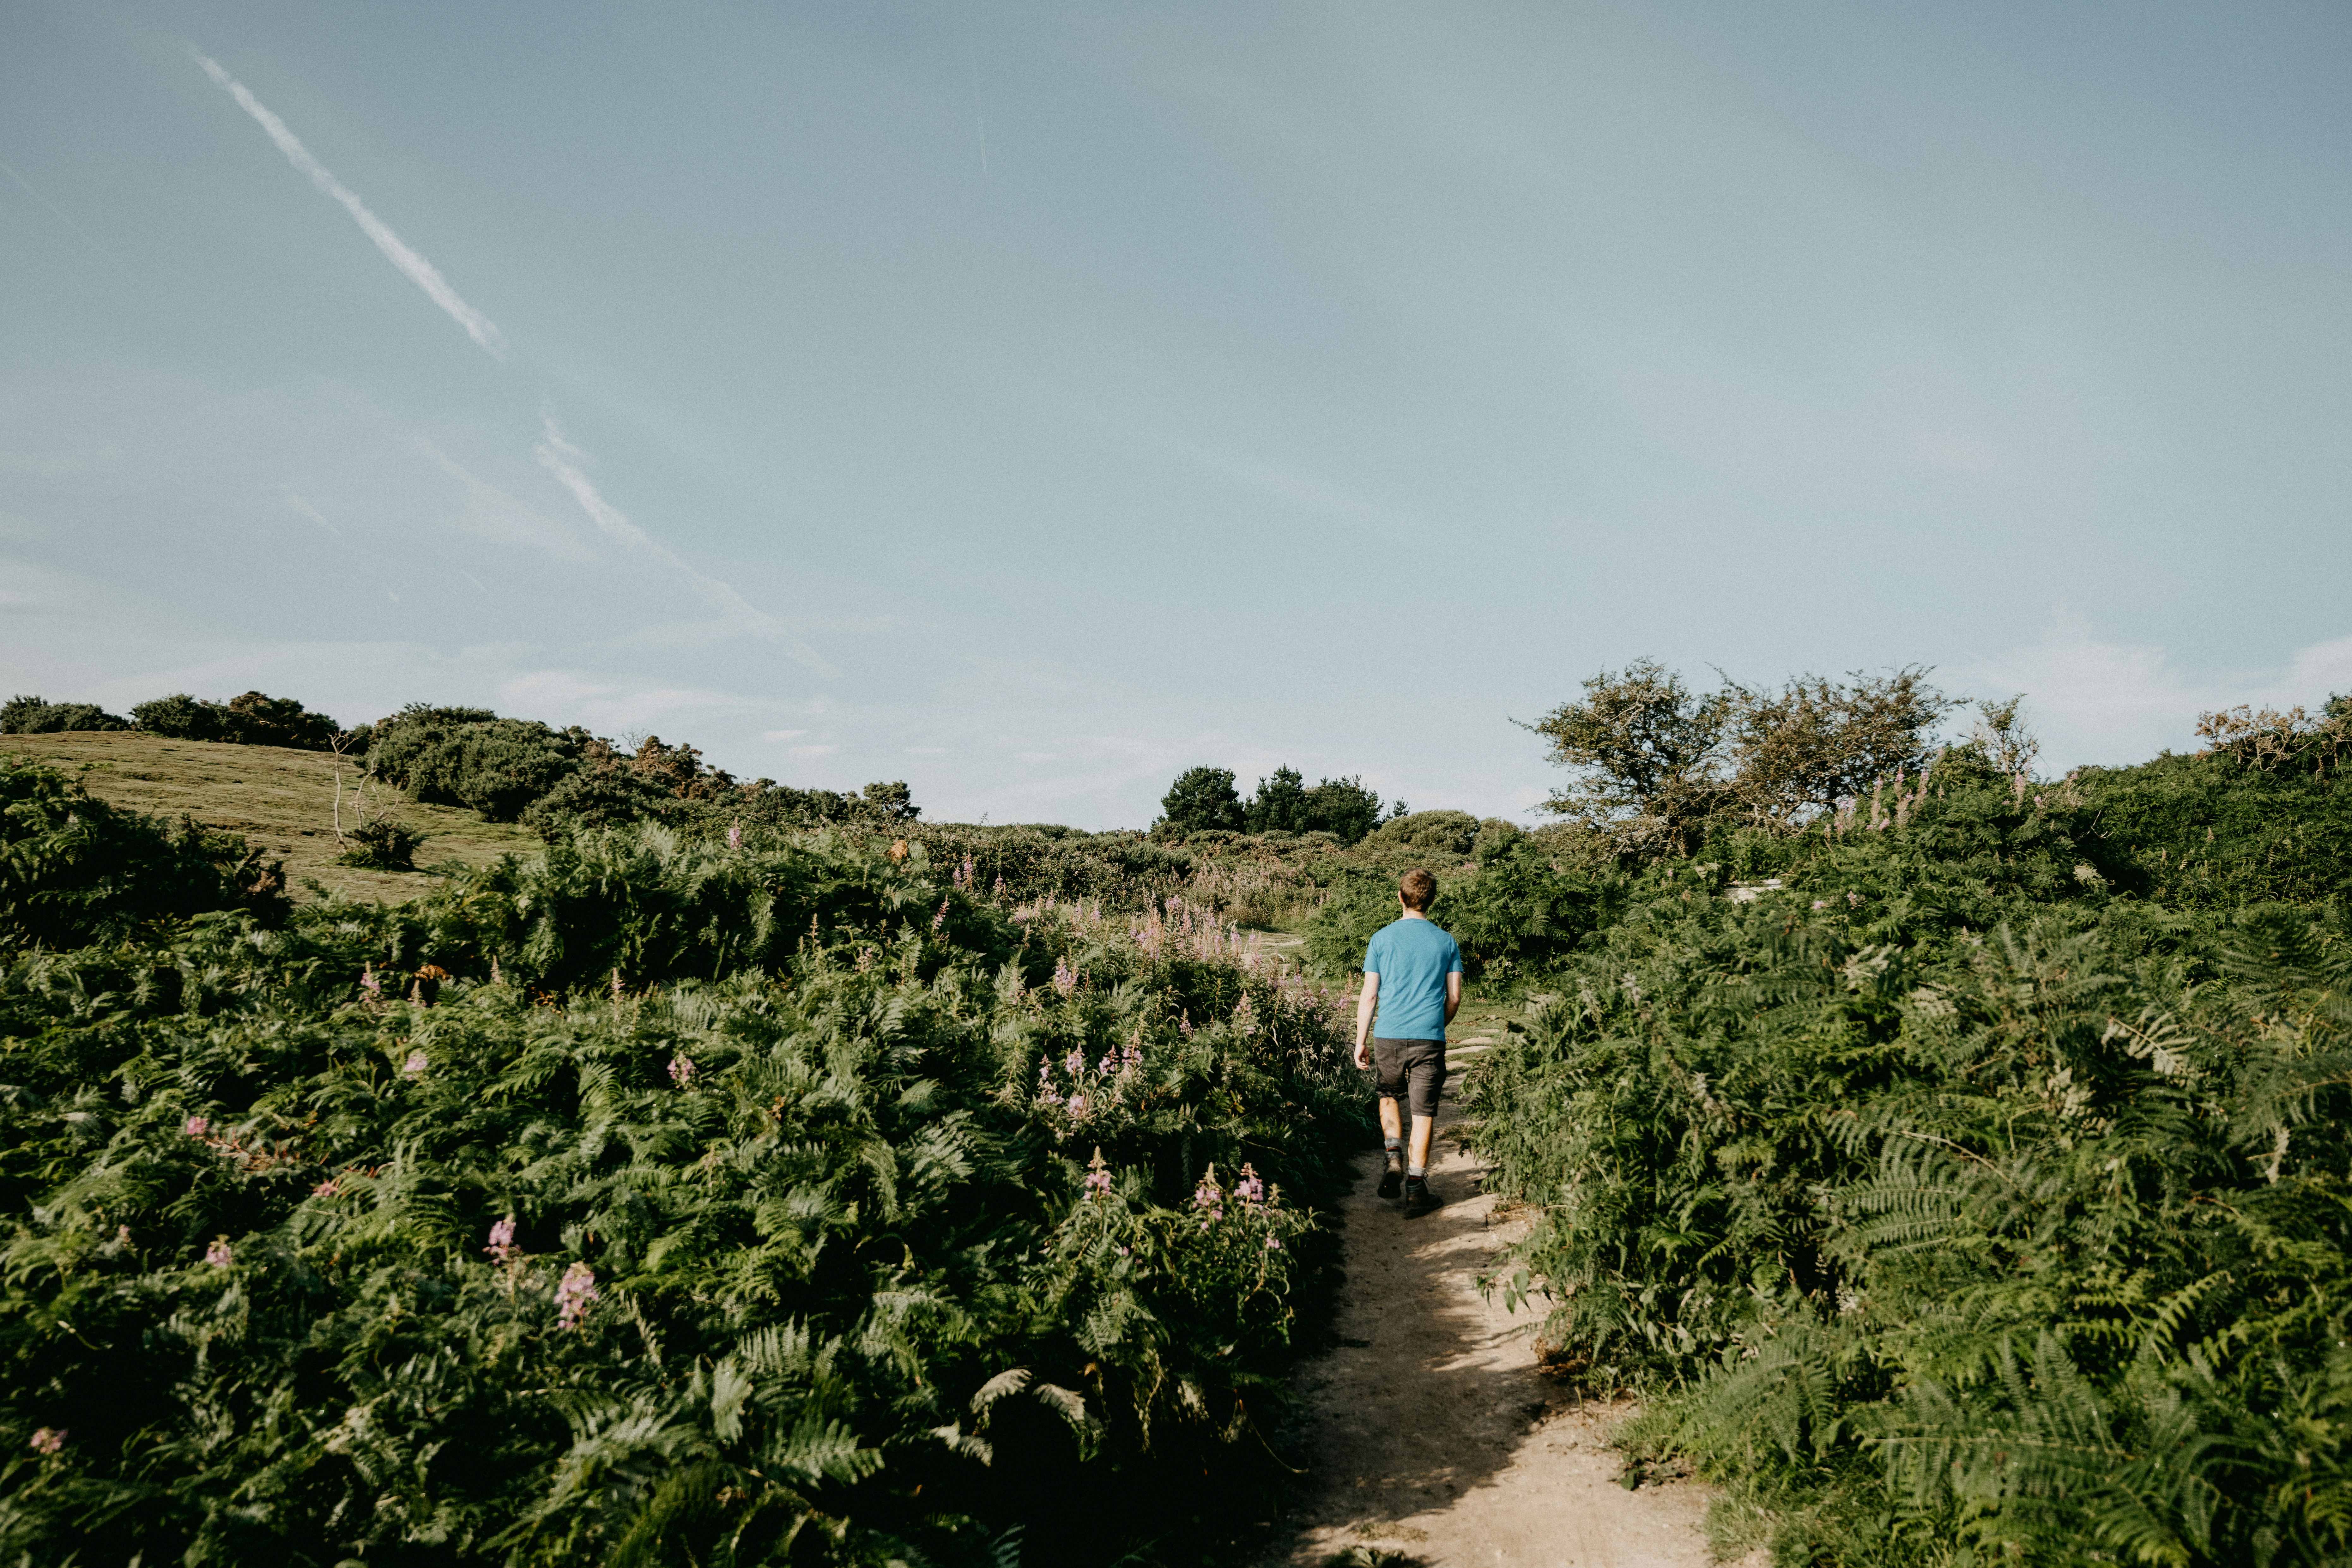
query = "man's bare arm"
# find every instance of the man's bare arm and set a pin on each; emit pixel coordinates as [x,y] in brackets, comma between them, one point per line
[1367,1003]
[1453,994]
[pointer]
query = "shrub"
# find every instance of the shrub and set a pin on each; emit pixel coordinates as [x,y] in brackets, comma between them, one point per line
[471,757]
[387,844]
[254,718]
[37,716]
[75,870]
[179,717]
[596,798]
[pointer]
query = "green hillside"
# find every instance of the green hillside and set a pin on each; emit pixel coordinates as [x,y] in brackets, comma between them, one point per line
[281,801]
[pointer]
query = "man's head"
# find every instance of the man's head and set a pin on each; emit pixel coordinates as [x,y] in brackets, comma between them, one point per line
[1416,891]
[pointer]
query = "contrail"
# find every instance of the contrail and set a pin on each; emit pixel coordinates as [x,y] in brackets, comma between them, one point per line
[68,222]
[419,271]
[560,458]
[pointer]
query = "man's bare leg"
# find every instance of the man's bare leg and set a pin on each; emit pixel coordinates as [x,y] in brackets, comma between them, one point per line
[1422,1126]
[1392,1122]
[1392,1135]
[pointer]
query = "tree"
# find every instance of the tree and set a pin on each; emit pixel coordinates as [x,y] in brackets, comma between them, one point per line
[1647,755]
[892,802]
[1279,805]
[1796,753]
[1657,764]
[1343,808]
[1202,799]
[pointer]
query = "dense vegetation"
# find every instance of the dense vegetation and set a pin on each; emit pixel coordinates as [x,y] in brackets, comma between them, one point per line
[660,1199]
[1955,1154]
[1975,1187]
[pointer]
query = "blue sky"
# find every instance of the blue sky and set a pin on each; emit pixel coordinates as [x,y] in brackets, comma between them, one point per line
[1031,401]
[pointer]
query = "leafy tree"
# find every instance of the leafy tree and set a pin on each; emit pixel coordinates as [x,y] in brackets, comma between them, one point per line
[1202,799]
[1343,808]
[1284,804]
[1656,764]
[1797,751]
[1279,805]
[1646,754]
[891,801]
[37,716]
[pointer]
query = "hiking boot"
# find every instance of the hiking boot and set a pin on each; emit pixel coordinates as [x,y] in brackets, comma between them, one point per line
[1418,1199]
[1393,1177]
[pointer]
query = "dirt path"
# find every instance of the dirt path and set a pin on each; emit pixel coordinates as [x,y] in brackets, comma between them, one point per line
[1435,1437]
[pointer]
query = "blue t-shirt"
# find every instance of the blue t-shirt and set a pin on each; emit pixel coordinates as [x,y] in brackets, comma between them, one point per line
[1412,959]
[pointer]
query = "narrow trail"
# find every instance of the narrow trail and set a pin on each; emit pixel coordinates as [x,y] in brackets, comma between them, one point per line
[1431,1433]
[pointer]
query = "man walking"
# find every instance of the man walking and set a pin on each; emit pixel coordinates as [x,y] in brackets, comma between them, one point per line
[1413,976]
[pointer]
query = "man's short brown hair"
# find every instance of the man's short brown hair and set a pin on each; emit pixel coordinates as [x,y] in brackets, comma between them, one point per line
[1417,888]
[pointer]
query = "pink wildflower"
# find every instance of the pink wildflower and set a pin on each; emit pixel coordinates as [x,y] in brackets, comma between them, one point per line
[1271,1245]
[197,1127]
[416,1065]
[734,835]
[325,1189]
[48,1439]
[941,919]
[1249,1189]
[573,1293]
[681,1070]
[1065,979]
[501,1246]
[218,1254]
[1098,1183]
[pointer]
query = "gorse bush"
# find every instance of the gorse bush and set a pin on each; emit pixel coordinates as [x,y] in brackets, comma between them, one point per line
[255,719]
[654,1200]
[36,716]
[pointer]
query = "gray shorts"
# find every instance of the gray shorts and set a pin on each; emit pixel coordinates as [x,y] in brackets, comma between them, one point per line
[1410,1069]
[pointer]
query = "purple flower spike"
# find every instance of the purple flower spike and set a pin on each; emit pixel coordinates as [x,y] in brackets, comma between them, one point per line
[48,1439]
[1271,1245]
[416,1065]
[573,1294]
[501,1246]
[681,1070]
[197,1127]
[218,1254]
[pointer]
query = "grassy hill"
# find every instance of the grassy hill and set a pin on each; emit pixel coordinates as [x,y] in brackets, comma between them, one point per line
[280,800]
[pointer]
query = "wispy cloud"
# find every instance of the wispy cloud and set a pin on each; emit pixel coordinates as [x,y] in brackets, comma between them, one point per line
[2096,700]
[563,460]
[418,271]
